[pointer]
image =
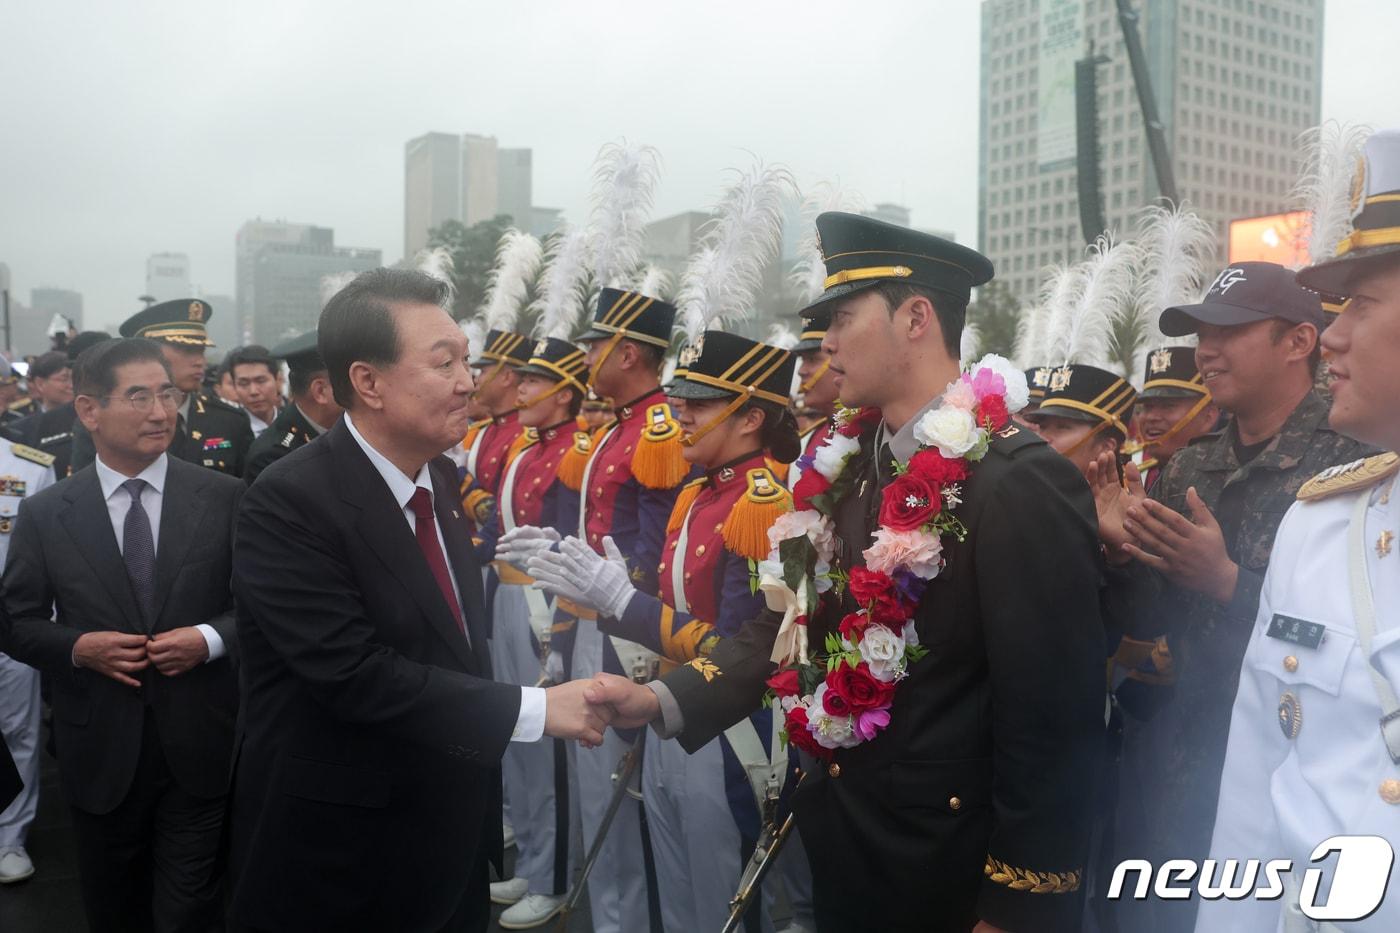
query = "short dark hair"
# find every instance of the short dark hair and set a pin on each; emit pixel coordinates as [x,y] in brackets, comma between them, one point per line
[299,380]
[357,325]
[95,369]
[952,313]
[1282,327]
[49,364]
[653,355]
[251,355]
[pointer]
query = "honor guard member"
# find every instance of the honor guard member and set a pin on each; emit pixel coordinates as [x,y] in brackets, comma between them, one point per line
[496,389]
[208,431]
[1084,413]
[312,412]
[1173,409]
[628,486]
[551,389]
[971,807]
[704,811]
[9,394]
[1314,741]
[23,472]
[1194,554]
[816,392]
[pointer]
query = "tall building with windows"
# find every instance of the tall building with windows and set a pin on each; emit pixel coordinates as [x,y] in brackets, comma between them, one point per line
[1236,81]
[467,178]
[278,269]
[168,276]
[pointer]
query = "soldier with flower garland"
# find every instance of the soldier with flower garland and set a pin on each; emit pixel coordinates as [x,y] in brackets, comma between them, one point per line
[943,662]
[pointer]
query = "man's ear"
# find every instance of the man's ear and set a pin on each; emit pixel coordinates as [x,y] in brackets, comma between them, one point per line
[1301,341]
[920,318]
[365,383]
[85,406]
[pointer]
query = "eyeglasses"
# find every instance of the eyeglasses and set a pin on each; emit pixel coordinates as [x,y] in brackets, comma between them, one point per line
[143,402]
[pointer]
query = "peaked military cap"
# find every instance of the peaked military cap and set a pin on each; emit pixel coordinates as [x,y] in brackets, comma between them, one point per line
[814,324]
[1375,236]
[1171,373]
[632,315]
[181,322]
[88,338]
[558,361]
[720,365]
[504,346]
[301,353]
[1086,393]
[861,251]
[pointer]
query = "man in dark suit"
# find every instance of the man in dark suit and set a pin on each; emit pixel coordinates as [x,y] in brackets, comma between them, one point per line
[971,810]
[367,788]
[208,431]
[135,552]
[310,412]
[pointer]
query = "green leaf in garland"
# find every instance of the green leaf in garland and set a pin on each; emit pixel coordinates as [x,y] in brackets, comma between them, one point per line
[753,577]
[799,558]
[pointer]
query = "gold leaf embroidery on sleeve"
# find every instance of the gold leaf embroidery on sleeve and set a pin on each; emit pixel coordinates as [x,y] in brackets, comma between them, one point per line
[1035,882]
[707,668]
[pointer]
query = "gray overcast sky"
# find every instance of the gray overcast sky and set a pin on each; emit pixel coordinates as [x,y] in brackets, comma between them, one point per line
[138,127]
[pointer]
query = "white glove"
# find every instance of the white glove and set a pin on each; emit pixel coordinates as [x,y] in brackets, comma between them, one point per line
[554,667]
[523,542]
[577,573]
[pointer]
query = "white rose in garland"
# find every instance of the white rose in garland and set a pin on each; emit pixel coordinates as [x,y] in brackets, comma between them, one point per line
[1018,393]
[952,430]
[831,457]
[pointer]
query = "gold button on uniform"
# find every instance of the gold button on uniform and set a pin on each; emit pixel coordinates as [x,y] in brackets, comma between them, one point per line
[1290,664]
[1390,791]
[661,567]
[833,770]
[700,550]
[612,468]
[954,803]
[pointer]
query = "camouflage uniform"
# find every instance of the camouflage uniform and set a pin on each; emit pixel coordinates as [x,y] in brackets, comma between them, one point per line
[1175,733]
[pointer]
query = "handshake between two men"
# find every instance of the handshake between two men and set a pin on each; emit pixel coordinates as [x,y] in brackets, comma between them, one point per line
[570,569]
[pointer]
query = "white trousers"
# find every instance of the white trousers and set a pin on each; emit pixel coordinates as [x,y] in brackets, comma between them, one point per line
[617,888]
[19,723]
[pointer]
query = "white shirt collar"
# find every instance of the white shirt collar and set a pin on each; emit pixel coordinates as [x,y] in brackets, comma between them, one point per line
[314,426]
[154,474]
[400,486]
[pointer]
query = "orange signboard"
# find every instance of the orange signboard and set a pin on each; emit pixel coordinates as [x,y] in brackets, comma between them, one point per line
[1280,238]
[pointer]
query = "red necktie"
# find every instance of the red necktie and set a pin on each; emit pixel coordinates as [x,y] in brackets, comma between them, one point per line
[425,528]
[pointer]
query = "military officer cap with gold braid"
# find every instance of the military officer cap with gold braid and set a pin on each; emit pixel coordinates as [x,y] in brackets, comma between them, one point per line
[180,322]
[1374,239]
[861,251]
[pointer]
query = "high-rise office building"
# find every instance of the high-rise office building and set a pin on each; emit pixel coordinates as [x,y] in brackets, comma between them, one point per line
[1235,81]
[168,276]
[278,272]
[467,178]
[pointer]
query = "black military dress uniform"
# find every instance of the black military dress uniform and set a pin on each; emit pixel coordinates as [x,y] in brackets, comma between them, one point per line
[290,429]
[974,803]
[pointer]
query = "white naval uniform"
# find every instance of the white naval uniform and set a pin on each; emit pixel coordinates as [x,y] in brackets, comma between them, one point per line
[19,683]
[1281,796]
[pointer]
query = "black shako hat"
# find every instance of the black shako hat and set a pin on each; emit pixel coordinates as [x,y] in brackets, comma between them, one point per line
[504,346]
[1087,393]
[558,361]
[181,322]
[1171,372]
[721,364]
[814,324]
[861,251]
[631,315]
[1244,293]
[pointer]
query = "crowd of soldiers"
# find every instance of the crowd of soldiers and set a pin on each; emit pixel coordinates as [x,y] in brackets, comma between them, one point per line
[1135,645]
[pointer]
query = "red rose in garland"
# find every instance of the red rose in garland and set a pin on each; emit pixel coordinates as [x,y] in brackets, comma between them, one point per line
[992,413]
[800,735]
[910,502]
[810,484]
[933,467]
[853,626]
[877,592]
[855,689]
[785,683]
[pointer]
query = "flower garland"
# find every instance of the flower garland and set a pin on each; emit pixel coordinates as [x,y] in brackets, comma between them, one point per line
[842,698]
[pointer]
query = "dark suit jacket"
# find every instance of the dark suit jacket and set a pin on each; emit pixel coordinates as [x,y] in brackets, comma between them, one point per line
[367,782]
[288,431]
[65,554]
[1005,713]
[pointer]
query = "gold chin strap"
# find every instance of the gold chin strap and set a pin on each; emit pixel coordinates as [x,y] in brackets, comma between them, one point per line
[491,374]
[806,387]
[1085,439]
[690,439]
[1175,429]
[597,367]
[540,398]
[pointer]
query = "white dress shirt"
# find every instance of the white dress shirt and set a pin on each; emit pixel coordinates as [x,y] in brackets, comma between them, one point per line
[529,724]
[258,424]
[119,503]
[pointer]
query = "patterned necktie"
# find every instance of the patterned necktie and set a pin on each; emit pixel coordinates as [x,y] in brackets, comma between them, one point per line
[139,551]
[425,529]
